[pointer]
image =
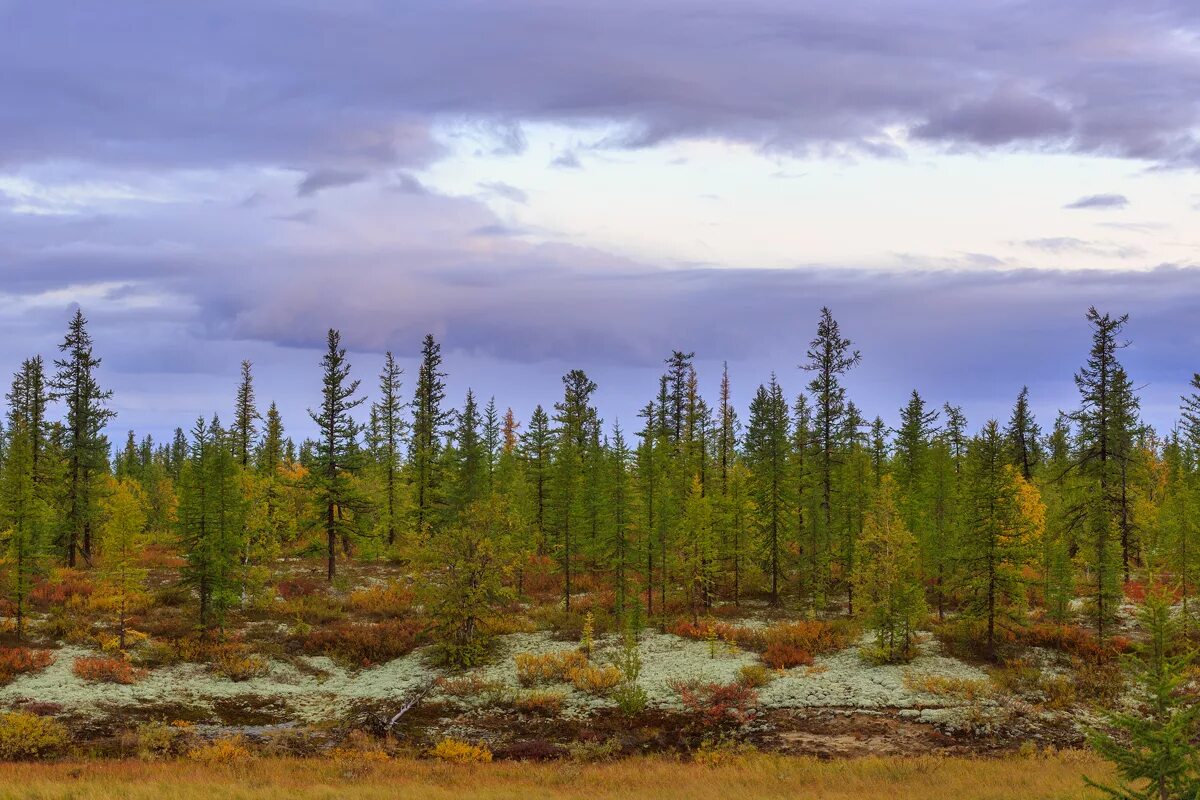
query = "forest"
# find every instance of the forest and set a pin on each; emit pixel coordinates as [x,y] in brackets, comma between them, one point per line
[692,568]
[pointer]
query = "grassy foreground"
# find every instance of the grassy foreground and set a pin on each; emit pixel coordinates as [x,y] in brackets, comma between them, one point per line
[1055,776]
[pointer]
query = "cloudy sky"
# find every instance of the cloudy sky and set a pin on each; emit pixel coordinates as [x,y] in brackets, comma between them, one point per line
[550,185]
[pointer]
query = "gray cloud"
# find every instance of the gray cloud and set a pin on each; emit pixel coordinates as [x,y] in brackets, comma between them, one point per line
[1100,201]
[358,86]
[567,159]
[320,179]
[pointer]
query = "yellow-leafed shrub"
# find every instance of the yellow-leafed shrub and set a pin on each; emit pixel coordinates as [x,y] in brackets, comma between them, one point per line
[595,680]
[27,736]
[556,667]
[459,752]
[222,751]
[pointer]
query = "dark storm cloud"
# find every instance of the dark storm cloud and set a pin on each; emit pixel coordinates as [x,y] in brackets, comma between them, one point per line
[1100,201]
[353,86]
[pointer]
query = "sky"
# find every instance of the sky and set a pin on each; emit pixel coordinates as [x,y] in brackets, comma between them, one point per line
[592,184]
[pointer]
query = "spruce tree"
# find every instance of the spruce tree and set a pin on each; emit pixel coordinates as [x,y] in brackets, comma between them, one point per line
[767,448]
[1098,445]
[245,414]
[429,425]
[576,422]
[536,444]
[336,457]
[829,358]
[210,523]
[391,433]
[1023,436]
[85,449]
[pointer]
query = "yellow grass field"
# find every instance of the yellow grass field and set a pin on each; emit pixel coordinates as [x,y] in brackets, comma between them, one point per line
[928,778]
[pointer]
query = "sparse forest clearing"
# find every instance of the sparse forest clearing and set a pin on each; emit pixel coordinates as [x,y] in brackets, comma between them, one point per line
[1053,777]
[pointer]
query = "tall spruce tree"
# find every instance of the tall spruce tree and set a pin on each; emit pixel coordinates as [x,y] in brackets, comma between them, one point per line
[391,424]
[245,414]
[1098,445]
[336,457]
[767,448]
[429,429]
[85,448]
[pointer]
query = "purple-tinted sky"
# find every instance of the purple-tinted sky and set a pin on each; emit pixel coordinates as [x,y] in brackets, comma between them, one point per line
[550,185]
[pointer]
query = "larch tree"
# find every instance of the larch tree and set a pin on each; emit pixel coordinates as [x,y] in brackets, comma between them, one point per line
[336,457]
[85,448]
[24,514]
[1005,523]
[888,585]
[122,536]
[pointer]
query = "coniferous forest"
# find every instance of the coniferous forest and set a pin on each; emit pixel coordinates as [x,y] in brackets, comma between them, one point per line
[421,558]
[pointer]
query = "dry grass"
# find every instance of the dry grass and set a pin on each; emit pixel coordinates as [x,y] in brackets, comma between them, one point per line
[1054,777]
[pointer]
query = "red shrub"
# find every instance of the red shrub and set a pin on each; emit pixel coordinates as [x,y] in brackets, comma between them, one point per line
[107,670]
[62,586]
[782,655]
[16,661]
[299,586]
[715,705]
[363,645]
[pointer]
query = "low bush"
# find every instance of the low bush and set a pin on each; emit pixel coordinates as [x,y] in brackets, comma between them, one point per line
[592,679]
[299,586]
[61,586]
[555,667]
[717,705]
[222,752]
[107,670]
[968,689]
[235,662]
[313,609]
[388,600]
[160,740]
[781,655]
[457,751]
[756,676]
[365,644]
[542,703]
[25,736]
[16,661]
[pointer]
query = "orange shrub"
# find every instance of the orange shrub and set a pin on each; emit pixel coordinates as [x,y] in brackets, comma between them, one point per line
[782,655]
[390,600]
[64,584]
[107,670]
[556,667]
[366,644]
[16,661]
[812,636]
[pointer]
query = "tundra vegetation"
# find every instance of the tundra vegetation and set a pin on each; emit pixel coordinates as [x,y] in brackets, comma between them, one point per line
[425,581]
